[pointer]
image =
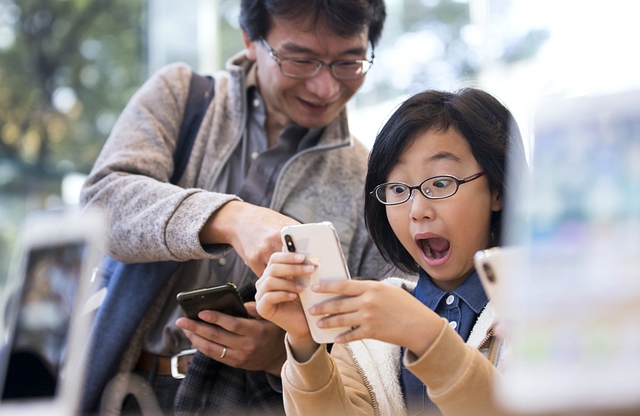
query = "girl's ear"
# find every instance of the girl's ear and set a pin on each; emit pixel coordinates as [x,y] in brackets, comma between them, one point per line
[250,46]
[496,201]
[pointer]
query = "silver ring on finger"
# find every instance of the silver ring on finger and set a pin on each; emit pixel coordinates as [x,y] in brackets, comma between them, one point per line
[224,352]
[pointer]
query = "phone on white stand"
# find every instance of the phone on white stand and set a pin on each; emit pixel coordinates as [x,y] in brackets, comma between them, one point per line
[320,243]
[42,348]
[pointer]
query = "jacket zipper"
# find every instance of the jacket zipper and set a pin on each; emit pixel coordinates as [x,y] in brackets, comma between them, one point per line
[365,381]
[486,338]
[238,137]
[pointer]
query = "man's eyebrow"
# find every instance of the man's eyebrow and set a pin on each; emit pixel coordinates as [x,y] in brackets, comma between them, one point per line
[290,47]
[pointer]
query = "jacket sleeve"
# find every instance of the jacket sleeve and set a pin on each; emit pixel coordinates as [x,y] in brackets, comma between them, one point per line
[150,219]
[458,377]
[324,385]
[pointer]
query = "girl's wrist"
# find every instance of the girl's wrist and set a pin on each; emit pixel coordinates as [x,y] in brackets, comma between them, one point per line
[429,330]
[302,347]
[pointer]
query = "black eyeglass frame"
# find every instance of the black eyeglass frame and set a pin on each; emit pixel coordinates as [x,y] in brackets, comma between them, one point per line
[457,181]
[320,64]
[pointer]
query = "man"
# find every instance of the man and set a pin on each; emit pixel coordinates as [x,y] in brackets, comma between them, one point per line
[273,149]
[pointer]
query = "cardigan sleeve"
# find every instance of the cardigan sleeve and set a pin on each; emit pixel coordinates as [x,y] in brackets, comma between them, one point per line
[150,219]
[458,377]
[324,385]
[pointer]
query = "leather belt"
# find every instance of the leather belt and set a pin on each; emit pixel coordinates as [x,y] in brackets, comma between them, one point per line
[175,366]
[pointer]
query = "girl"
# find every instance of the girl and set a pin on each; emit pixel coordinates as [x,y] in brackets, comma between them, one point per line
[435,193]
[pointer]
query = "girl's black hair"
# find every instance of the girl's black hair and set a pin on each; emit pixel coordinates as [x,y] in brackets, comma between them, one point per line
[481,119]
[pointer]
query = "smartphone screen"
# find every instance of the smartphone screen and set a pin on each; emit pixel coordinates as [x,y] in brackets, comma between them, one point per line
[48,299]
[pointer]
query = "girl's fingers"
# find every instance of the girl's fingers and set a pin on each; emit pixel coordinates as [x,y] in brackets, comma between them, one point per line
[337,321]
[359,328]
[356,333]
[288,270]
[355,296]
[337,306]
[271,283]
[286,257]
[274,298]
[344,287]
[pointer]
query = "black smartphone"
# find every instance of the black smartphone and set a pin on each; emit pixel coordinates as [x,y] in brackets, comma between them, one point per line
[224,298]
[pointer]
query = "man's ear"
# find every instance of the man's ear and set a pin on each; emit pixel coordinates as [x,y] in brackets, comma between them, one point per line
[496,201]
[250,46]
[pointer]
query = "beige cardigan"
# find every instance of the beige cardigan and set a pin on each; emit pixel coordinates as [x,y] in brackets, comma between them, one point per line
[362,377]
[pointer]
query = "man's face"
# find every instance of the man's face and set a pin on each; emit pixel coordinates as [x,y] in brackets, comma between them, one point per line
[309,102]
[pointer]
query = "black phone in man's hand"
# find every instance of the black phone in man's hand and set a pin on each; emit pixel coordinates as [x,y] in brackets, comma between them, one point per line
[224,298]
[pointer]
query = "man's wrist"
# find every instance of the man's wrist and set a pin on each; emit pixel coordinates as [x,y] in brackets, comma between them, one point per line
[218,228]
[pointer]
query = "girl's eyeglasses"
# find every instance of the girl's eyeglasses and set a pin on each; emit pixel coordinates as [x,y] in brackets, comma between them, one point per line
[436,187]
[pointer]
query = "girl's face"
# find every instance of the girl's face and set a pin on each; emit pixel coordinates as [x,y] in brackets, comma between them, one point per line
[443,235]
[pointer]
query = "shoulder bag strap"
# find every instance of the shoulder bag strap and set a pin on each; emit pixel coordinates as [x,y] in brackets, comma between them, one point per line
[201,92]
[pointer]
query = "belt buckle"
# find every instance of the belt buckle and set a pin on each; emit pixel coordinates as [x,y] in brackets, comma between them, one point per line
[175,372]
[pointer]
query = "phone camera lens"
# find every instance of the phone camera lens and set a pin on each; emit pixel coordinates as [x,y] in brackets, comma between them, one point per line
[489,272]
[289,241]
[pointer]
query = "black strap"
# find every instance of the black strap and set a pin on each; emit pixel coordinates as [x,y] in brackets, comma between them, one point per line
[201,92]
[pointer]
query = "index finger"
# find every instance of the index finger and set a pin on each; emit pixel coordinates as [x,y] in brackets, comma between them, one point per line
[284,257]
[341,287]
[286,265]
[229,323]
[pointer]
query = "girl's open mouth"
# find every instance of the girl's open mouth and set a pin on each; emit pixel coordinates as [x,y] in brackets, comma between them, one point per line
[436,250]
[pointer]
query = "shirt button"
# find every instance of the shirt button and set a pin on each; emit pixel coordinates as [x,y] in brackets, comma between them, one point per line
[453,324]
[256,103]
[450,299]
[254,155]
[222,261]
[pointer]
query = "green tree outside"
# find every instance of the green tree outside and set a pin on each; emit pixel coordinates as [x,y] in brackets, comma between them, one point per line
[67,68]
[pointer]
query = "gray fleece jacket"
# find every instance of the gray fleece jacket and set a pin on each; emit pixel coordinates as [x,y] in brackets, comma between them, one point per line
[152,220]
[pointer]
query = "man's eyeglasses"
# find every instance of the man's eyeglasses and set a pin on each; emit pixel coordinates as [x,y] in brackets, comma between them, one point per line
[307,68]
[436,187]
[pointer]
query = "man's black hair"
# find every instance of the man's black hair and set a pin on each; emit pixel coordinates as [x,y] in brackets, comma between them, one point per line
[345,18]
[482,120]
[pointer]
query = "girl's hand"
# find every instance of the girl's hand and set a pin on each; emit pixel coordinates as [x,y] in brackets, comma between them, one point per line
[277,300]
[378,311]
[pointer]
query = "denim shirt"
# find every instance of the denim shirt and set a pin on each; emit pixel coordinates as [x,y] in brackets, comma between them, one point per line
[461,308]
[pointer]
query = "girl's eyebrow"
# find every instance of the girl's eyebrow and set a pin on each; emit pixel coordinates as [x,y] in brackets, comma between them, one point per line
[290,47]
[444,156]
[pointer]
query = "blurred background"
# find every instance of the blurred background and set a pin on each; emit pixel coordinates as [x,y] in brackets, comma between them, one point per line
[68,67]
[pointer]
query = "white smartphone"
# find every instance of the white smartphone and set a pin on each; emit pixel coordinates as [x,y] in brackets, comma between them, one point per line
[495,266]
[320,243]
